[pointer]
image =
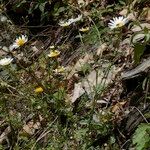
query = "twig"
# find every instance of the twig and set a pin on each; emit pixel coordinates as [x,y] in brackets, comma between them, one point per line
[141,114]
[125,143]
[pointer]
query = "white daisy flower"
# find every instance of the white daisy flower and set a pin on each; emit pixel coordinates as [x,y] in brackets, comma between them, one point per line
[6,61]
[11,47]
[70,21]
[20,41]
[3,18]
[76,19]
[117,22]
[52,47]
[65,24]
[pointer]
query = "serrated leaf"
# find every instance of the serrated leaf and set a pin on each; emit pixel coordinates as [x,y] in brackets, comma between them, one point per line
[141,138]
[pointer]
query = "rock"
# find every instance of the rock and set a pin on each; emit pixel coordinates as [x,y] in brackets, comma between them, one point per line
[137,28]
[131,16]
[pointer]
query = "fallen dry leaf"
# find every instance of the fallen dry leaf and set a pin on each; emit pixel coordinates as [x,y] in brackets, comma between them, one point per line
[101,48]
[30,127]
[117,107]
[137,28]
[101,78]
[131,16]
[78,91]
[78,66]
[138,37]
[3,136]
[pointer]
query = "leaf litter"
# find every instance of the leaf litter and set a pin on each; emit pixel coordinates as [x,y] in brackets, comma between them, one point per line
[105,75]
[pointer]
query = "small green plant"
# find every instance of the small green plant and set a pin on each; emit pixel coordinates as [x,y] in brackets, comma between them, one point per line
[141,138]
[140,39]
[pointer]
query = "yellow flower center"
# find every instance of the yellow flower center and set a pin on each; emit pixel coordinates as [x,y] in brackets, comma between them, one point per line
[65,24]
[54,53]
[20,42]
[52,47]
[84,29]
[38,90]
[120,24]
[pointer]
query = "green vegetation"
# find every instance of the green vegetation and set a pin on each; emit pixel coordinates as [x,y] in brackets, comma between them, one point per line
[64,80]
[142,137]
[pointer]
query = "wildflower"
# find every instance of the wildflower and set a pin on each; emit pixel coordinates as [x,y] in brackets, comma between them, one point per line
[20,41]
[6,61]
[11,47]
[3,18]
[117,22]
[70,21]
[54,53]
[52,47]
[38,90]
[60,69]
[81,3]
[84,29]
[65,24]
[76,19]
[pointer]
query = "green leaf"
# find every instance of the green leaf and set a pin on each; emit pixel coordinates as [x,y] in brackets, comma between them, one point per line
[122,2]
[80,134]
[20,3]
[138,52]
[42,7]
[141,138]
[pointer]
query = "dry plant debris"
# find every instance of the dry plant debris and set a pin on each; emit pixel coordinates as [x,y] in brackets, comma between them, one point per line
[73,74]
